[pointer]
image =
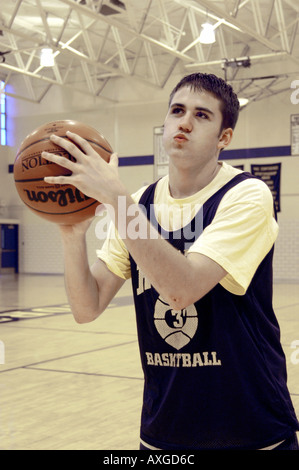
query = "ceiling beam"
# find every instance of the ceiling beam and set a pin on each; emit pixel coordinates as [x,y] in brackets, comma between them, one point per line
[51,81]
[221,14]
[122,26]
[220,61]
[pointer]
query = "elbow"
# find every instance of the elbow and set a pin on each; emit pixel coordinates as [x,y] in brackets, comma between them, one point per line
[182,297]
[81,320]
[178,304]
[86,317]
[178,301]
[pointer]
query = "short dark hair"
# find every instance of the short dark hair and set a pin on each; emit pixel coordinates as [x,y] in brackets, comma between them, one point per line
[220,89]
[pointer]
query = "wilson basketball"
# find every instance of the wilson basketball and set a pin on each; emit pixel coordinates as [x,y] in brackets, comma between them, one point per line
[59,203]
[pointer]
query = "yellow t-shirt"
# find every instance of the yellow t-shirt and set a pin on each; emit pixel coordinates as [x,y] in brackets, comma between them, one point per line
[239,237]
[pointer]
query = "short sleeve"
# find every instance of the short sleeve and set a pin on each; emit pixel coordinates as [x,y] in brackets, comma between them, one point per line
[115,254]
[241,234]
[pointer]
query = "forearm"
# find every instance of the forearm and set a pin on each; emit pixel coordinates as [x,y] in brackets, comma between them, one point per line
[166,268]
[81,287]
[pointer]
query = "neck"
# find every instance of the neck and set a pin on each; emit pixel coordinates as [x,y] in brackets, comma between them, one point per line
[184,183]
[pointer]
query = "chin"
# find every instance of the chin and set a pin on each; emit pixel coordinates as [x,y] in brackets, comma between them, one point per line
[181,161]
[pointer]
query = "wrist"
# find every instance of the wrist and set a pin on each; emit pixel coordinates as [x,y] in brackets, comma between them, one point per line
[119,194]
[70,235]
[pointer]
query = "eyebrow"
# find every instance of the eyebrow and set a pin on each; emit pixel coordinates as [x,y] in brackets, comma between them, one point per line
[198,108]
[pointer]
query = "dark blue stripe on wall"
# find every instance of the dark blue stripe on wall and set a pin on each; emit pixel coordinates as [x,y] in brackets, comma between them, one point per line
[131,161]
[123,161]
[258,152]
[281,151]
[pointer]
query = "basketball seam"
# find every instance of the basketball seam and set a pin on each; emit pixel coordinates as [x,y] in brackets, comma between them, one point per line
[61,213]
[63,136]
[34,179]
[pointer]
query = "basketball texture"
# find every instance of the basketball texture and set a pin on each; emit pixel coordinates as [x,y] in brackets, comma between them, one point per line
[58,203]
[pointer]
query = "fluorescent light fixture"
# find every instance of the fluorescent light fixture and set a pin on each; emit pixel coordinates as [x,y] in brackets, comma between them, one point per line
[47,57]
[207,35]
[243,101]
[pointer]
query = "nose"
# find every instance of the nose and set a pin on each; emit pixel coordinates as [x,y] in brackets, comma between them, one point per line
[185,123]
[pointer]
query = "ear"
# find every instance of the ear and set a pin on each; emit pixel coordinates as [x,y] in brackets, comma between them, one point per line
[225,138]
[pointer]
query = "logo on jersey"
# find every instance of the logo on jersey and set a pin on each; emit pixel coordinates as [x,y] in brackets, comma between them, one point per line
[176,327]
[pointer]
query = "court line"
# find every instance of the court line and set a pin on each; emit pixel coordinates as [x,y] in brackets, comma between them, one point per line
[80,353]
[286,306]
[67,356]
[65,330]
[33,313]
[83,373]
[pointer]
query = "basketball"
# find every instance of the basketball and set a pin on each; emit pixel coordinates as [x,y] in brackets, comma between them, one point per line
[58,203]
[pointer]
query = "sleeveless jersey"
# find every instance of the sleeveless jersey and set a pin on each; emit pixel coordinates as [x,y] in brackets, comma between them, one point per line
[215,372]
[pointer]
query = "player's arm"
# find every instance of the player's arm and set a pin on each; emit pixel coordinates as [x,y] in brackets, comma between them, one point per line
[179,280]
[89,289]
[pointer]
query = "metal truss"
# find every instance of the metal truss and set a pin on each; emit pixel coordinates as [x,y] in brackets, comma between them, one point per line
[96,42]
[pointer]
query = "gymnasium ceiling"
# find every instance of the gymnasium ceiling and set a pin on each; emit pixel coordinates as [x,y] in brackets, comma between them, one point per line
[98,42]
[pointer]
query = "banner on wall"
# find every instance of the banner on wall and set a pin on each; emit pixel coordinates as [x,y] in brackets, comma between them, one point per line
[161,159]
[295,134]
[239,167]
[270,174]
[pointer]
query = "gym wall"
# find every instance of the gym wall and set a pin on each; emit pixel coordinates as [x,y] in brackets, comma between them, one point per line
[129,128]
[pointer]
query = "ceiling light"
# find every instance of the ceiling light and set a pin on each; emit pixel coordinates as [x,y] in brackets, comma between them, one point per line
[207,35]
[243,101]
[47,57]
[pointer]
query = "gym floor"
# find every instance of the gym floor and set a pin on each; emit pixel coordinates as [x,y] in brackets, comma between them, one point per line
[65,386]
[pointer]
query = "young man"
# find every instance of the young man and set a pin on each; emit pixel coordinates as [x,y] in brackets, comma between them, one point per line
[215,373]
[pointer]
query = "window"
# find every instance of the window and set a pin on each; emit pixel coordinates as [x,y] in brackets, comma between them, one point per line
[3,130]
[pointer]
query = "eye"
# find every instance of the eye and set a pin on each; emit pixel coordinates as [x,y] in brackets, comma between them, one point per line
[202,115]
[176,110]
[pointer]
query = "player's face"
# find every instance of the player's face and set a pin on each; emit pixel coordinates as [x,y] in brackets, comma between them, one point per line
[192,128]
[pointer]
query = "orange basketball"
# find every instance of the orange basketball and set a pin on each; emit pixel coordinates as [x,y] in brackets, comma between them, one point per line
[59,203]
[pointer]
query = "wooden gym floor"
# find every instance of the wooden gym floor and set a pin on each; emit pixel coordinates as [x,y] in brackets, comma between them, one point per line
[66,386]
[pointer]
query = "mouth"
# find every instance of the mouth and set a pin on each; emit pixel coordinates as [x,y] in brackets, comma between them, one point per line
[180,138]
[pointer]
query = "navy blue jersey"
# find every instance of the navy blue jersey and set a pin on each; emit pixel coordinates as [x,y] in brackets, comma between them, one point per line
[215,372]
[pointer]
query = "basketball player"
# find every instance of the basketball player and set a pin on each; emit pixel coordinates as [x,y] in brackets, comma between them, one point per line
[215,372]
